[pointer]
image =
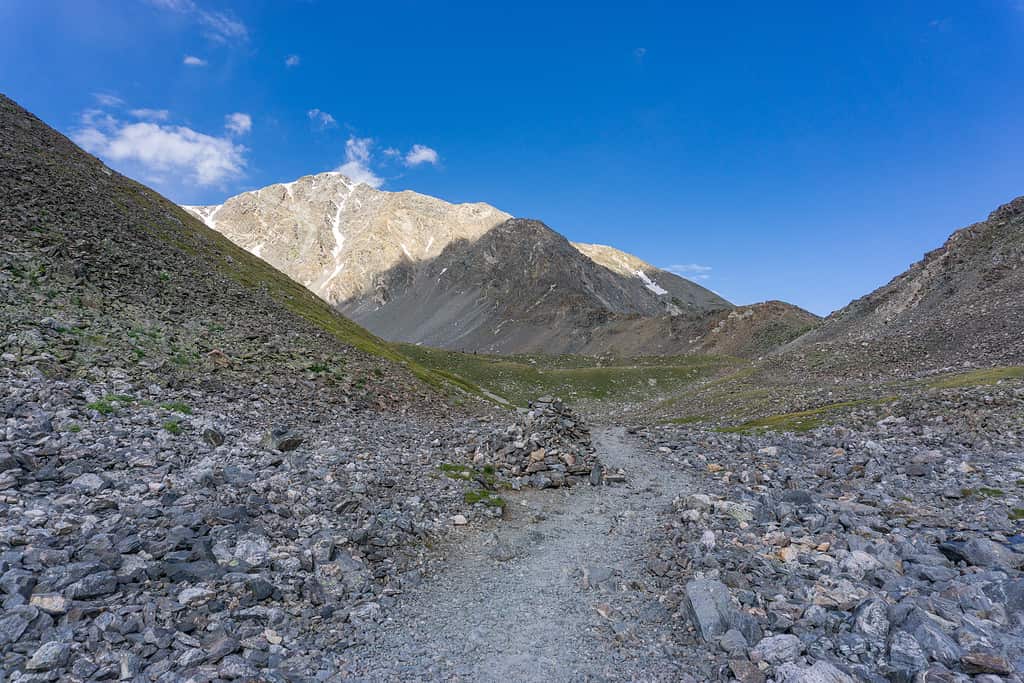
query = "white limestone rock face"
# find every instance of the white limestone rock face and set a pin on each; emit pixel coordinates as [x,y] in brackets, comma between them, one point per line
[334,235]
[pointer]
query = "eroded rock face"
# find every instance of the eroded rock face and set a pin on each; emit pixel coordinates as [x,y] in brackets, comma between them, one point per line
[335,236]
[463,276]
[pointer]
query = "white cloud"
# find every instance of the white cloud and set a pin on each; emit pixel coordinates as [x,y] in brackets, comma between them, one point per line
[159,150]
[292,60]
[108,100]
[421,154]
[691,271]
[220,27]
[321,118]
[192,60]
[174,5]
[357,162]
[151,114]
[97,118]
[392,152]
[238,123]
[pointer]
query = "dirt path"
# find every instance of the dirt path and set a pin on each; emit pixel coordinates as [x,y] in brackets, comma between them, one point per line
[569,605]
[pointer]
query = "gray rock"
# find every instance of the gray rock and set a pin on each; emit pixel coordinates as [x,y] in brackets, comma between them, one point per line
[983,552]
[18,582]
[733,642]
[213,436]
[777,649]
[281,439]
[906,655]
[710,607]
[939,646]
[50,655]
[89,483]
[871,619]
[12,626]
[820,672]
[93,586]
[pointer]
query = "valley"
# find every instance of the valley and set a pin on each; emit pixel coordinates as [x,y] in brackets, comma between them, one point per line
[542,459]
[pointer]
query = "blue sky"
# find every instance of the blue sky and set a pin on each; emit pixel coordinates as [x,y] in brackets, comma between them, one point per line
[803,151]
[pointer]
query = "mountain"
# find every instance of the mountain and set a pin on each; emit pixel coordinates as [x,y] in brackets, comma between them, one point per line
[335,236]
[465,276]
[104,278]
[684,293]
[519,287]
[963,302]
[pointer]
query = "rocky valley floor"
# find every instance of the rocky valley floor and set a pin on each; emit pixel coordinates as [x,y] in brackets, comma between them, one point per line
[557,591]
[155,534]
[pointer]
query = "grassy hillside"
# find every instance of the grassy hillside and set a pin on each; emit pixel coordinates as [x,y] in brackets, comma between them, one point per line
[520,378]
[103,276]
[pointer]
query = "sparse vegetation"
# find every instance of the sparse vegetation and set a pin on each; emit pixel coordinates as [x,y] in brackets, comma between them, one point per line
[453,471]
[484,496]
[102,406]
[692,419]
[172,426]
[177,407]
[977,378]
[521,378]
[800,421]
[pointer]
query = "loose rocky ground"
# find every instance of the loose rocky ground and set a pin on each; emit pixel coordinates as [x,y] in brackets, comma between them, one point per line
[153,534]
[887,549]
[207,475]
[162,534]
[556,591]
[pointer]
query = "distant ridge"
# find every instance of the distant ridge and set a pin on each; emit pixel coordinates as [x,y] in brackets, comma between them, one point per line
[417,269]
[963,302]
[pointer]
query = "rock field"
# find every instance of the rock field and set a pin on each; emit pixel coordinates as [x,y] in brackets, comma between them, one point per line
[886,549]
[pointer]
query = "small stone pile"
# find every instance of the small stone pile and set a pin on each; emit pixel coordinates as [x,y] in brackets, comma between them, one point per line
[547,447]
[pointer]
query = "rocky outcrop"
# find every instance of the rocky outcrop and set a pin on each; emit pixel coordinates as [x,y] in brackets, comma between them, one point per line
[336,236]
[961,302]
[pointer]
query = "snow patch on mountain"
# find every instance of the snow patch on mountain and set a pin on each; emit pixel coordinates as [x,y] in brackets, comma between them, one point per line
[650,284]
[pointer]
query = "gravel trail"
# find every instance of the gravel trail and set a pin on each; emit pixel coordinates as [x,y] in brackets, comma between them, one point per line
[570,605]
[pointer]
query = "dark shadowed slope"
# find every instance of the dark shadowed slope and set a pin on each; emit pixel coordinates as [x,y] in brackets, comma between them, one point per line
[519,287]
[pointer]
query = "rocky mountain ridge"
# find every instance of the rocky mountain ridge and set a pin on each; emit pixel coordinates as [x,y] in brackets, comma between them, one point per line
[417,269]
[961,303]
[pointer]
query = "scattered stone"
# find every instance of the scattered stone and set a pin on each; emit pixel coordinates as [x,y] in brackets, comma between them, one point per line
[710,607]
[49,656]
[777,649]
[281,439]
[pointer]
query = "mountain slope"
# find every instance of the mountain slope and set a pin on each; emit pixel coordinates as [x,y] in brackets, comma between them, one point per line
[686,294]
[521,286]
[414,268]
[962,302]
[102,276]
[335,236]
